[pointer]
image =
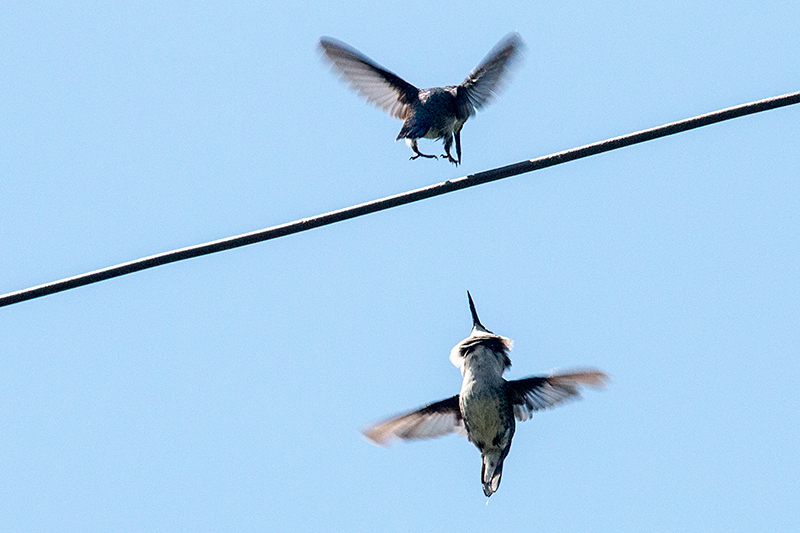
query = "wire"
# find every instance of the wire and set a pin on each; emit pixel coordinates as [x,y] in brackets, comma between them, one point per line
[397,200]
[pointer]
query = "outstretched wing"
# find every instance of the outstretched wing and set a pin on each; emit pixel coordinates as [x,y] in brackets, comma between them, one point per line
[540,392]
[379,86]
[483,83]
[433,420]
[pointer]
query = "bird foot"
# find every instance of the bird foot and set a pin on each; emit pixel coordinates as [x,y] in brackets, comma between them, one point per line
[450,158]
[413,157]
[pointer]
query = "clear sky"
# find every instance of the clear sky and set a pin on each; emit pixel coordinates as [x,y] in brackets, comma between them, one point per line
[227,393]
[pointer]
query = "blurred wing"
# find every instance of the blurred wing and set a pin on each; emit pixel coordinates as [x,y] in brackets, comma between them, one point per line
[483,83]
[379,86]
[536,393]
[434,420]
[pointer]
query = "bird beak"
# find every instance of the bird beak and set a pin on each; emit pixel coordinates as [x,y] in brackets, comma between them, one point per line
[476,322]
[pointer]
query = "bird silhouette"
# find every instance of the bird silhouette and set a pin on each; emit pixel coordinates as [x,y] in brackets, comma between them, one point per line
[487,406]
[437,113]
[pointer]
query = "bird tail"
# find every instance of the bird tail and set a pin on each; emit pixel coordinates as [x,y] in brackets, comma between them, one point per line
[491,471]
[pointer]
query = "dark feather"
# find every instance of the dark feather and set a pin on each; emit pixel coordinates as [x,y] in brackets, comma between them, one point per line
[379,86]
[483,83]
[540,392]
[434,420]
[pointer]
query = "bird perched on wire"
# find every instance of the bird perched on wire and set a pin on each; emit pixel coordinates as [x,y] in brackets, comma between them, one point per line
[437,113]
[486,408]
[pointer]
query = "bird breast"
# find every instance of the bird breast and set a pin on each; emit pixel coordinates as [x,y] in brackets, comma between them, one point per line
[487,413]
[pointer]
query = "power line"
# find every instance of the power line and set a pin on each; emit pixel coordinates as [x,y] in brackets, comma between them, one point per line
[398,199]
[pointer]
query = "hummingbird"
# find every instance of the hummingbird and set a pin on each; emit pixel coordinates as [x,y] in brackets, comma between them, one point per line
[487,406]
[436,113]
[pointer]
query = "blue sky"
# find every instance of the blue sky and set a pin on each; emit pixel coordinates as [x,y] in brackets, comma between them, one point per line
[228,392]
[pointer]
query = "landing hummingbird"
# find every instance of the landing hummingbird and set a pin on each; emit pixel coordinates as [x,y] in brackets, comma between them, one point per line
[436,113]
[487,406]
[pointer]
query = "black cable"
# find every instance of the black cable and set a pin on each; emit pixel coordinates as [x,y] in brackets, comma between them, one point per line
[399,199]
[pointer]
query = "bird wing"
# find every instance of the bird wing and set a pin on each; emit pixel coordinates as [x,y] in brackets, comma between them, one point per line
[483,83]
[379,86]
[540,392]
[434,420]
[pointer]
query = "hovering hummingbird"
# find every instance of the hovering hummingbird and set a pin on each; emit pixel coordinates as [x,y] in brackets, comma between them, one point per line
[485,409]
[437,113]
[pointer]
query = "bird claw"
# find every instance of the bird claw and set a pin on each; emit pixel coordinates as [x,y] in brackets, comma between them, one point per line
[413,157]
[450,158]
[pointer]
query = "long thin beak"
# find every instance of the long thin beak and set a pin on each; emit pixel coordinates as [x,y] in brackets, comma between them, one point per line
[476,322]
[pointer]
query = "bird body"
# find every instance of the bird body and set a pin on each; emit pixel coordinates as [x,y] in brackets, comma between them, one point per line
[488,406]
[436,113]
[489,419]
[485,398]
